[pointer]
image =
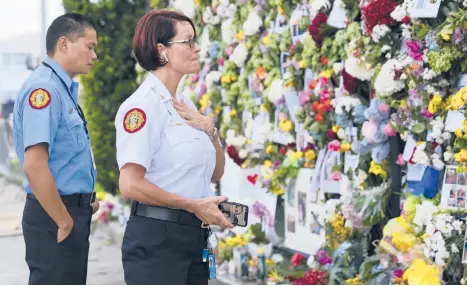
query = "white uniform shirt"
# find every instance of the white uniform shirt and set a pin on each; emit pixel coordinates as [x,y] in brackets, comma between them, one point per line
[178,158]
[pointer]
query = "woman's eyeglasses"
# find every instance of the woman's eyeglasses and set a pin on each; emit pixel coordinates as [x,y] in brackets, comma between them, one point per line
[191,42]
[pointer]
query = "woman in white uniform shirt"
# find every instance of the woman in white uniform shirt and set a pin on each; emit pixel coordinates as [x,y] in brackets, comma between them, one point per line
[168,154]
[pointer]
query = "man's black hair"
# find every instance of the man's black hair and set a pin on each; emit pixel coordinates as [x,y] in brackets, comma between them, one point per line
[70,25]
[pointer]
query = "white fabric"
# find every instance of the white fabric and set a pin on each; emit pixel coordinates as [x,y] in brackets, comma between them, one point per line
[178,158]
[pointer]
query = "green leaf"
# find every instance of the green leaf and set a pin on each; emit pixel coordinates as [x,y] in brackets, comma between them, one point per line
[419,128]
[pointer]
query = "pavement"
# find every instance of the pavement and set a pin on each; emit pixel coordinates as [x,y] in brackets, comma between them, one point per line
[104,268]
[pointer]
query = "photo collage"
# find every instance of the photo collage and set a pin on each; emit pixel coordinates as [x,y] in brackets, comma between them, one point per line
[454,189]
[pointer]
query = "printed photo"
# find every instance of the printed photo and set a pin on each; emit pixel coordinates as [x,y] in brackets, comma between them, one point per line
[280,24]
[461,179]
[464,259]
[450,176]
[461,192]
[297,33]
[461,203]
[284,62]
[280,136]
[291,223]
[234,212]
[308,78]
[255,84]
[452,203]
[301,208]
[302,138]
[291,194]
[315,228]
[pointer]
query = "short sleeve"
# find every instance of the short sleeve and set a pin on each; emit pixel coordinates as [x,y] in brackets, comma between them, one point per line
[41,114]
[137,135]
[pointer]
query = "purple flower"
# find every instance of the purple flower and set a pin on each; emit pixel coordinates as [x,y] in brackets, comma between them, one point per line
[458,36]
[325,260]
[321,253]
[413,49]
[276,164]
[398,273]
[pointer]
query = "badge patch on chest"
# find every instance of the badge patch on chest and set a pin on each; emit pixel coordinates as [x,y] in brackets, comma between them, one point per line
[134,120]
[39,98]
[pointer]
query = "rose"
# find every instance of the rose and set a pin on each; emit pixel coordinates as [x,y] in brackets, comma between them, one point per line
[296,259]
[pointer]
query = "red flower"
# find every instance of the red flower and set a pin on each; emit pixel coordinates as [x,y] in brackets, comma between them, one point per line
[319,117]
[378,12]
[221,62]
[350,83]
[291,145]
[314,106]
[312,277]
[406,20]
[313,29]
[283,150]
[233,154]
[296,259]
[323,60]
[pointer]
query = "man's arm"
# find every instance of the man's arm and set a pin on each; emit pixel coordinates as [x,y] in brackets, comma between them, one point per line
[43,186]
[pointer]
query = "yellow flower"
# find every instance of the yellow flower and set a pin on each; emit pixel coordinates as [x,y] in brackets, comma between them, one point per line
[240,35]
[458,133]
[335,128]
[457,102]
[204,101]
[461,156]
[269,262]
[310,155]
[404,242]
[222,244]
[263,108]
[218,110]
[274,276]
[465,125]
[226,79]
[446,36]
[265,40]
[421,273]
[301,64]
[269,149]
[345,146]
[280,10]
[354,281]
[434,104]
[249,141]
[295,156]
[289,84]
[402,103]
[377,169]
[232,113]
[198,2]
[285,125]
[100,195]
[327,74]
[277,191]
[267,164]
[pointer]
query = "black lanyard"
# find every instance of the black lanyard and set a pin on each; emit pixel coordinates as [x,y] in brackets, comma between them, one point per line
[78,108]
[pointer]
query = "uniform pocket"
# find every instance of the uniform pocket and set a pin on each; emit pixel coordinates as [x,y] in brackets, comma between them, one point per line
[75,126]
[188,148]
[143,236]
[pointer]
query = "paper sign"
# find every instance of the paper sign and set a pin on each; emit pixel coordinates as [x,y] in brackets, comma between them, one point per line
[291,100]
[425,8]
[337,17]
[454,119]
[415,172]
[409,148]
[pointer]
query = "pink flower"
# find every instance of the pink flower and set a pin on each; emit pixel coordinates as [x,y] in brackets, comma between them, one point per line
[324,94]
[369,130]
[194,78]
[398,273]
[221,62]
[229,51]
[303,97]
[389,130]
[400,161]
[383,107]
[336,176]
[334,145]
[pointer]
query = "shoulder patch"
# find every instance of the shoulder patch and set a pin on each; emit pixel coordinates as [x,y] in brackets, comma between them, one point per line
[39,98]
[134,120]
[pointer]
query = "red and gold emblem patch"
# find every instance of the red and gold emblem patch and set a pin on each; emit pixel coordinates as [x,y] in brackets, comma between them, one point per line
[39,98]
[134,120]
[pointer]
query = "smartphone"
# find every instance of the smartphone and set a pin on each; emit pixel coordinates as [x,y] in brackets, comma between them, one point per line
[236,213]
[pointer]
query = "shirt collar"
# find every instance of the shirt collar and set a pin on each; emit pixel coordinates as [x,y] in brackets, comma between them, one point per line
[60,72]
[159,87]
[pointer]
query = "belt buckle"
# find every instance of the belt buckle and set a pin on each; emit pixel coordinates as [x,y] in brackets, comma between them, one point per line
[203,225]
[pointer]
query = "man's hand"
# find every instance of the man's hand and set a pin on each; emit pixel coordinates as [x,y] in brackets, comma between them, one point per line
[64,229]
[207,210]
[95,206]
[194,118]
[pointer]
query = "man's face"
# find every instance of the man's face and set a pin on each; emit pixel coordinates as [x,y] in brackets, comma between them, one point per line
[236,209]
[81,53]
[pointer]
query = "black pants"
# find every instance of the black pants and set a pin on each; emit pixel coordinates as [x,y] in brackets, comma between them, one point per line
[162,252]
[51,262]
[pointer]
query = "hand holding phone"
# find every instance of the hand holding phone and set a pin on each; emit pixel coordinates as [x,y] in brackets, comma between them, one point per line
[236,213]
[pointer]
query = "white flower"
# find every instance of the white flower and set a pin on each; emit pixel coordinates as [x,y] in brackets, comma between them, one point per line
[252,24]
[358,68]
[437,163]
[228,34]
[225,9]
[341,134]
[239,55]
[277,258]
[379,31]
[212,78]
[424,213]
[405,135]
[448,155]
[457,224]
[239,141]
[275,91]
[406,32]
[429,74]
[209,18]
[385,48]
[344,103]
[187,7]
[385,84]
[421,157]
[431,89]
[399,13]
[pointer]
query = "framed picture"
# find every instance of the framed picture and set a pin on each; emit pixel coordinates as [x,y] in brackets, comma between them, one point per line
[425,8]
[298,34]
[284,60]
[256,86]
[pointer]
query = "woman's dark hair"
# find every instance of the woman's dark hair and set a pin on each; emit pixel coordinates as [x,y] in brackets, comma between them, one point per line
[155,27]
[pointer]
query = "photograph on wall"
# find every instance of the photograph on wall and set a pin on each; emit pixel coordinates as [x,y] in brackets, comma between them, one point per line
[329,185]
[454,189]
[291,194]
[280,136]
[291,223]
[301,207]
[284,60]
[303,137]
[298,33]
[291,101]
[309,77]
[280,24]
[256,84]
[315,228]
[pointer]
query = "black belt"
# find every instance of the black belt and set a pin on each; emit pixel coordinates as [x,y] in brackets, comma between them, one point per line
[167,214]
[73,200]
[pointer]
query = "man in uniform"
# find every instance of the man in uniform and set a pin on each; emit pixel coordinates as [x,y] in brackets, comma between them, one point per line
[52,143]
